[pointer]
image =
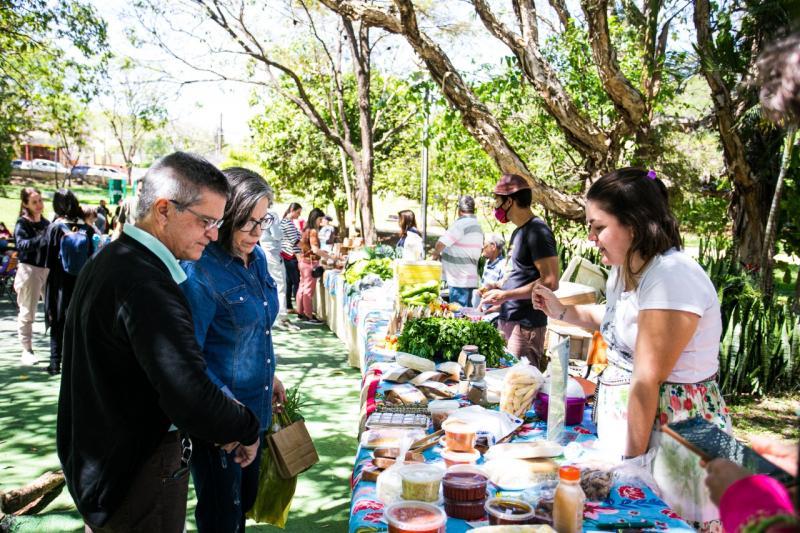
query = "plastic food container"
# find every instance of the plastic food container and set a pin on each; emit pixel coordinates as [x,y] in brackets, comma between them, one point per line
[503,511]
[460,435]
[415,517]
[421,482]
[453,457]
[575,407]
[464,483]
[466,510]
[440,410]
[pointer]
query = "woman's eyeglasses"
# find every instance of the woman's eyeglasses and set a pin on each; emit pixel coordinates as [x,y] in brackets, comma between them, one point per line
[261,224]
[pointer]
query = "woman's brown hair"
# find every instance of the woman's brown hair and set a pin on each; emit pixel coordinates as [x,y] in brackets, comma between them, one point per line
[407,221]
[639,200]
[25,196]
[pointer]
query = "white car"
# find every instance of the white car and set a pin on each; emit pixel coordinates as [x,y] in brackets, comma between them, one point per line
[106,172]
[43,165]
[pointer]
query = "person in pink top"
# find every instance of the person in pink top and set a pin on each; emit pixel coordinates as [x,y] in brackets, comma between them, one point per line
[750,503]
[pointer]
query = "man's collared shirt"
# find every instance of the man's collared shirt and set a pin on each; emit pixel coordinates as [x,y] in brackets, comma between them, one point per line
[493,270]
[158,248]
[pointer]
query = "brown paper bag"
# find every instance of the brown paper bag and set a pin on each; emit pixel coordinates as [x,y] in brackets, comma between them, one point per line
[292,449]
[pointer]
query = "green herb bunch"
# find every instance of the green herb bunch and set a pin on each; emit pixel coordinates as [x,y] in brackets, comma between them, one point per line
[443,338]
[290,412]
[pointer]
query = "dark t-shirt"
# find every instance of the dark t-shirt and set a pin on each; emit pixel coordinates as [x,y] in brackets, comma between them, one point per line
[531,242]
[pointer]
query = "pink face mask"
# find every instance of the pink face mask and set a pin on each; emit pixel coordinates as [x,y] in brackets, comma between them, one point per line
[501,214]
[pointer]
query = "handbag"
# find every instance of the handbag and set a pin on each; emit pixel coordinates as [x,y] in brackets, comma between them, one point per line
[317,271]
[292,449]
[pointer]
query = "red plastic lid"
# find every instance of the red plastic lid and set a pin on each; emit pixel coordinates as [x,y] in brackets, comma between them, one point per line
[569,473]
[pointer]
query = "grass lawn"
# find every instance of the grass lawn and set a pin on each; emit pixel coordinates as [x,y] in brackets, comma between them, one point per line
[313,358]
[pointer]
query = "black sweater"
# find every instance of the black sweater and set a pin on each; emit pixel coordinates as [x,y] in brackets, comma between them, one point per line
[131,367]
[30,241]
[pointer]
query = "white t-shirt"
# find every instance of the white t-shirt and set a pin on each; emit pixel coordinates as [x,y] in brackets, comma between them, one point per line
[671,281]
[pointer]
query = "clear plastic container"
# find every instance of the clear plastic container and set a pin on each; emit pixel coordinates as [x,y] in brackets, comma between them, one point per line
[440,410]
[453,457]
[421,482]
[509,511]
[465,510]
[415,517]
[464,483]
[460,435]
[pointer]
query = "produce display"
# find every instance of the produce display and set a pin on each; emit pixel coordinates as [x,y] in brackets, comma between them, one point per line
[361,267]
[442,338]
[420,294]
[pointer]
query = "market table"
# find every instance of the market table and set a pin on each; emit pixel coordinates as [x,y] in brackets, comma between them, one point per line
[361,320]
[627,501]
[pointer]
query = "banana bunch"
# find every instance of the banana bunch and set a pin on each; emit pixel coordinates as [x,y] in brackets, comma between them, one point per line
[521,383]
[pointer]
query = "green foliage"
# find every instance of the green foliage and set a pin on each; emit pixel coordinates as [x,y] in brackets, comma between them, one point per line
[760,347]
[51,54]
[357,270]
[443,338]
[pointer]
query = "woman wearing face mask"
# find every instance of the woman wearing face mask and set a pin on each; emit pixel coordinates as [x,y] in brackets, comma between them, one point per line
[534,259]
[29,235]
[662,325]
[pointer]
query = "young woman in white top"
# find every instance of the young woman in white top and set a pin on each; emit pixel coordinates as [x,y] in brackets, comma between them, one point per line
[662,325]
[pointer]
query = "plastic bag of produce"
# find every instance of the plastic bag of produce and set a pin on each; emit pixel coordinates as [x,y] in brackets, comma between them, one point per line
[274,497]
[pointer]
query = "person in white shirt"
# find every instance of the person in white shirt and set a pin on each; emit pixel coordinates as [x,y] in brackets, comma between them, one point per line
[662,324]
[271,241]
[460,249]
[410,242]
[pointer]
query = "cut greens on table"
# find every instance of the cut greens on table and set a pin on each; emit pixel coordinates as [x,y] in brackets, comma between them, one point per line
[380,266]
[443,338]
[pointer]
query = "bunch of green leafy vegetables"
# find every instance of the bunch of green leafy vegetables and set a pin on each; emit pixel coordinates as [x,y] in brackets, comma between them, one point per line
[357,270]
[443,338]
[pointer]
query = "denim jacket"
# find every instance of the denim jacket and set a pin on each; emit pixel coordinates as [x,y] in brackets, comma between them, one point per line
[233,309]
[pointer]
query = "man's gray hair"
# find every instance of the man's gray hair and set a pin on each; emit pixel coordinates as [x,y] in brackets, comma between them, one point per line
[182,178]
[497,240]
[466,204]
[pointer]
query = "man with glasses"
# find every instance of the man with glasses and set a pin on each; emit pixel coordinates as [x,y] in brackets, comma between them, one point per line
[133,373]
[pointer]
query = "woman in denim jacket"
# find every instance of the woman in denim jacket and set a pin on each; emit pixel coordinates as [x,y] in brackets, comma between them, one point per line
[234,303]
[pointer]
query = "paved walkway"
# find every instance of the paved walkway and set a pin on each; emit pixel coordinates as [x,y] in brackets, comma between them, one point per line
[313,357]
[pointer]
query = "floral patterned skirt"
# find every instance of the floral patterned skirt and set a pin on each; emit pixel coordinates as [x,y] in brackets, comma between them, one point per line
[676,469]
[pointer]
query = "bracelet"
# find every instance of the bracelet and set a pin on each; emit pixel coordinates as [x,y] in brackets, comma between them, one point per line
[561,316]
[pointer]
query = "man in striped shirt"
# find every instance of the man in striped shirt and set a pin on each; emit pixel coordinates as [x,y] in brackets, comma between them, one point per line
[460,250]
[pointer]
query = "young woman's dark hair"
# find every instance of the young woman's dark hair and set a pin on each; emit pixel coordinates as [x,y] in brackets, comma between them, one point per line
[313,218]
[247,188]
[407,221]
[639,200]
[25,196]
[66,205]
[294,206]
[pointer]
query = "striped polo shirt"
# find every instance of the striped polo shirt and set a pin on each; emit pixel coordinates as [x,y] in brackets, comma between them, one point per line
[463,242]
[291,237]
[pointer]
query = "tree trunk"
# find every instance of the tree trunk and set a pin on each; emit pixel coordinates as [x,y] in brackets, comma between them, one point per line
[349,222]
[476,117]
[767,259]
[746,206]
[368,230]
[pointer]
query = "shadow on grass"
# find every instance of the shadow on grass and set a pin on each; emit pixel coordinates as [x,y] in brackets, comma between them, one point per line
[313,358]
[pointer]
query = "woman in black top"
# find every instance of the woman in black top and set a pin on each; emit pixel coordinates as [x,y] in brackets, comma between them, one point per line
[31,271]
[60,283]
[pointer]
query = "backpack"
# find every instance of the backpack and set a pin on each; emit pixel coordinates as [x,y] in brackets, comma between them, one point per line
[76,247]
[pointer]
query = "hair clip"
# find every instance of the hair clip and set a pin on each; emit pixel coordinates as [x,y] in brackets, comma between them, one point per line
[651,174]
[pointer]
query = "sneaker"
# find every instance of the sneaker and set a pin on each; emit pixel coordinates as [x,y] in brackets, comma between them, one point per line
[291,327]
[28,358]
[54,369]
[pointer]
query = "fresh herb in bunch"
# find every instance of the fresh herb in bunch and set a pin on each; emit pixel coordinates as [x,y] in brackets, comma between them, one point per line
[290,411]
[443,338]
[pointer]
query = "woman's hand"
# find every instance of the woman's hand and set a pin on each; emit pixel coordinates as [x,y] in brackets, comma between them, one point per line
[278,394]
[546,301]
[782,454]
[721,475]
